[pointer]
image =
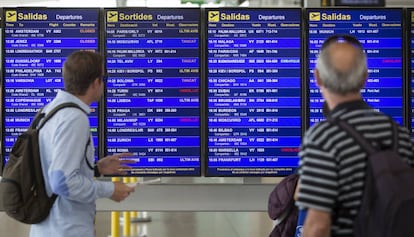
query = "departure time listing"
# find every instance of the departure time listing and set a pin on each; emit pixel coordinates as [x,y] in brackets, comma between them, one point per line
[36,44]
[153,98]
[254,116]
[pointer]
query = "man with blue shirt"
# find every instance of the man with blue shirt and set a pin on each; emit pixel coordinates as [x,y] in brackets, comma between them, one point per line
[66,147]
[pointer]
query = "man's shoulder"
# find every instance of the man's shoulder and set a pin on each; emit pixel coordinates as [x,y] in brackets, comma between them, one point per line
[319,133]
[70,114]
[320,127]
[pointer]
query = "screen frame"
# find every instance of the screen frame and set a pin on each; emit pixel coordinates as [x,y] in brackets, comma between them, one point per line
[2,149]
[104,101]
[403,57]
[408,71]
[3,61]
[205,66]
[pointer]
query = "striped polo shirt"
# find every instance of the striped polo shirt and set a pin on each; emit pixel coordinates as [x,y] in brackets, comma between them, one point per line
[332,164]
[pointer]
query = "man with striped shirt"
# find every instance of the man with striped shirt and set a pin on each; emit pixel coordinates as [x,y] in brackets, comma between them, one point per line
[332,164]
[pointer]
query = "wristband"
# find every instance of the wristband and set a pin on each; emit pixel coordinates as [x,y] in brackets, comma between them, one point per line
[96,171]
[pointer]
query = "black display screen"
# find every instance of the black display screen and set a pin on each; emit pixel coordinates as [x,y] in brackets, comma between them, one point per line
[380,32]
[36,43]
[254,91]
[153,95]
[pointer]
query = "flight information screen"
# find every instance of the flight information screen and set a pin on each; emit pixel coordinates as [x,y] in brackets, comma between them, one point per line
[411,63]
[380,32]
[254,91]
[153,95]
[36,43]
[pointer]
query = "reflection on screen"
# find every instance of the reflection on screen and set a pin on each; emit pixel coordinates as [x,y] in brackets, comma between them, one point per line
[152,99]
[254,115]
[36,43]
[380,33]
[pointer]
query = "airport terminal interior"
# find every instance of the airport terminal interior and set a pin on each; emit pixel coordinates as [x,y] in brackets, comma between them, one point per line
[162,209]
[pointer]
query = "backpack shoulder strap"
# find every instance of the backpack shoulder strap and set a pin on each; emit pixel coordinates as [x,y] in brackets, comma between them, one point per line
[55,110]
[40,115]
[86,158]
[362,141]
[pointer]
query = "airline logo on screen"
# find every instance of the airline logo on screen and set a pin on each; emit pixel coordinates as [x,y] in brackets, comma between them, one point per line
[216,16]
[314,16]
[332,16]
[11,16]
[112,16]
[213,16]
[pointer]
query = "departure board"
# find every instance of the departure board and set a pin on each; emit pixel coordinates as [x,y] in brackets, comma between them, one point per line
[153,96]
[36,44]
[410,15]
[254,91]
[380,33]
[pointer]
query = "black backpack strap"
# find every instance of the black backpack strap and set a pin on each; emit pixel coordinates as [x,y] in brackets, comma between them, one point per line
[362,141]
[86,158]
[40,115]
[55,110]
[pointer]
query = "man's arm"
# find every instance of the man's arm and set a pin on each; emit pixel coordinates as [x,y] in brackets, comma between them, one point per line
[317,224]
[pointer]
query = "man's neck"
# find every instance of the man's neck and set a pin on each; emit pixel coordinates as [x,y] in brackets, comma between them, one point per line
[85,99]
[333,99]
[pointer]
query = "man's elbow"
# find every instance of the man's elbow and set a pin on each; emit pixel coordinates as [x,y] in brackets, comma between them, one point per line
[58,183]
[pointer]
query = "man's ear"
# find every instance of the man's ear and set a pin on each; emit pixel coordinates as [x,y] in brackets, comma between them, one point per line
[97,83]
[366,78]
[318,79]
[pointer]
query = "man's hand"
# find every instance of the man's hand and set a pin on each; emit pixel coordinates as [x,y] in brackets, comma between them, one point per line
[114,165]
[121,191]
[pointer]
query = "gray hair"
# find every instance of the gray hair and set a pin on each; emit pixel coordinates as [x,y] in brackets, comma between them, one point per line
[340,82]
